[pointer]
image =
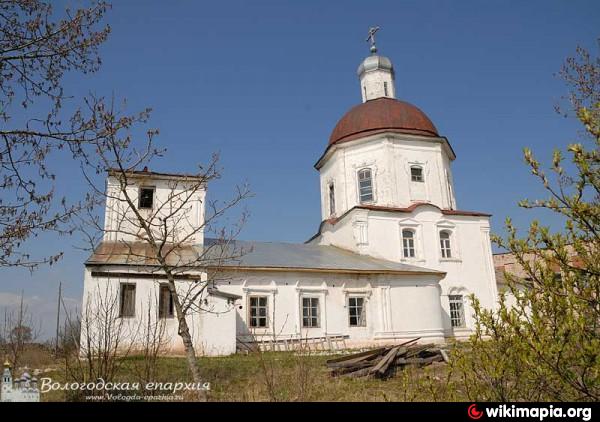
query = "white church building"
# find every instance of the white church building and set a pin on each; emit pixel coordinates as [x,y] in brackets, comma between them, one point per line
[393,259]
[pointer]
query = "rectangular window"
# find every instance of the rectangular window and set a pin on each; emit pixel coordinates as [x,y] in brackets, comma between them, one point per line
[385,89]
[365,185]
[408,243]
[146,198]
[127,300]
[445,244]
[356,311]
[310,312]
[331,199]
[416,174]
[259,311]
[165,302]
[457,311]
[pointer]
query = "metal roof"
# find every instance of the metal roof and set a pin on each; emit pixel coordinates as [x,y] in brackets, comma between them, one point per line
[262,256]
[374,62]
[382,115]
[282,255]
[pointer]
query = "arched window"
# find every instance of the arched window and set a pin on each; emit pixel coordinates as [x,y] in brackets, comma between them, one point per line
[416,174]
[445,244]
[408,243]
[457,311]
[365,185]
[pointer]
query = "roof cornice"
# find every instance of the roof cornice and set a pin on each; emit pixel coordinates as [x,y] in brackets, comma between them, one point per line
[409,209]
[378,135]
[183,276]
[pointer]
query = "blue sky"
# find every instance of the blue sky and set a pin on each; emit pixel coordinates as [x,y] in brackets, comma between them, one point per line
[264,83]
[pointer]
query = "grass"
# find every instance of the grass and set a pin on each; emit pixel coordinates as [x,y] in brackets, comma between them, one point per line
[282,376]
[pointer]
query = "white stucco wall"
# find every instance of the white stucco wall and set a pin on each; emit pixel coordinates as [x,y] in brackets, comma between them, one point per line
[469,271]
[171,193]
[213,331]
[389,156]
[372,85]
[397,307]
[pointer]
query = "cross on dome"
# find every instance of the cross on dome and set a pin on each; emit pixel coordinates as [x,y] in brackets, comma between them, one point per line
[371,38]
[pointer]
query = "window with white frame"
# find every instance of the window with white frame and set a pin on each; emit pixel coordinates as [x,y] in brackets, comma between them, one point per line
[365,185]
[408,243]
[445,246]
[356,311]
[331,199]
[416,174]
[258,307]
[457,311]
[310,312]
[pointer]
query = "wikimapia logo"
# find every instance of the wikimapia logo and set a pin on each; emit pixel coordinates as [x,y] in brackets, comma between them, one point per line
[540,413]
[473,412]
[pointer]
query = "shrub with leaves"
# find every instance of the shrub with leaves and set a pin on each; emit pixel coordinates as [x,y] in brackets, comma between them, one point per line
[543,344]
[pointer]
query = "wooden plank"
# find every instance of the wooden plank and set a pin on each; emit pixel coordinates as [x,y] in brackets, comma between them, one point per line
[357,374]
[370,358]
[415,350]
[358,355]
[424,361]
[359,364]
[384,363]
[406,343]
[344,370]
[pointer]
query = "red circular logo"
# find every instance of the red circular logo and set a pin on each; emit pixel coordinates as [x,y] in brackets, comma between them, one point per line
[473,412]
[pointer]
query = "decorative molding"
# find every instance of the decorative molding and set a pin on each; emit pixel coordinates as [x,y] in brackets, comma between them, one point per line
[408,334]
[457,290]
[455,247]
[358,292]
[373,167]
[312,290]
[360,231]
[417,227]
[251,290]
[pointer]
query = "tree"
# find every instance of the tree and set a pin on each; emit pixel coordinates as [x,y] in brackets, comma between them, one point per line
[18,330]
[546,346]
[22,332]
[162,236]
[37,49]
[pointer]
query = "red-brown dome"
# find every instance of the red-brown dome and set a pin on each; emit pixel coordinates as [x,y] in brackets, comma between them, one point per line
[382,115]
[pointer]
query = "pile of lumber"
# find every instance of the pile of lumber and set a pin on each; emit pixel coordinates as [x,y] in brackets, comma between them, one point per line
[383,362]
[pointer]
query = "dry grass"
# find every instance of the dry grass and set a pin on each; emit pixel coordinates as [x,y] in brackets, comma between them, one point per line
[280,376]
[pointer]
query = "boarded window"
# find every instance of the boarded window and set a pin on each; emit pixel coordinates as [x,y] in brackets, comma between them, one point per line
[259,311]
[165,302]
[457,311]
[416,174]
[408,243]
[310,312]
[127,300]
[365,185]
[356,311]
[445,244]
[146,198]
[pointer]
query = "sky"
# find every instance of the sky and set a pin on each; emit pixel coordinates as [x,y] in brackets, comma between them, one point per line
[264,82]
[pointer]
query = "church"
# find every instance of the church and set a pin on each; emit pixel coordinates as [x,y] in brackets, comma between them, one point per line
[393,258]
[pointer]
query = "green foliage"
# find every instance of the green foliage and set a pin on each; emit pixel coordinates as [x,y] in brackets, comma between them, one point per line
[542,342]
